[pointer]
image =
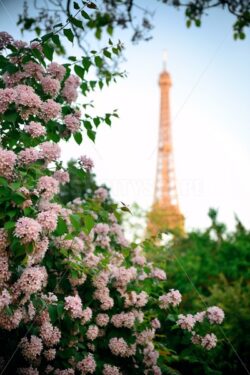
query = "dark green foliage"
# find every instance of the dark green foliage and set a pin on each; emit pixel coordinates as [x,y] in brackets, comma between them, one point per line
[77,187]
[210,267]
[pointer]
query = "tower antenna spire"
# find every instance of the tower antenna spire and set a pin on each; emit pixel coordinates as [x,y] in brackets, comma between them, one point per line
[164,60]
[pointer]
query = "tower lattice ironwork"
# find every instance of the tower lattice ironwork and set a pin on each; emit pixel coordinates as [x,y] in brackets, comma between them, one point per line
[165,213]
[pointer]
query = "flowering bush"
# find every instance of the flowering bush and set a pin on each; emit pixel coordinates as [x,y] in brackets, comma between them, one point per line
[75,296]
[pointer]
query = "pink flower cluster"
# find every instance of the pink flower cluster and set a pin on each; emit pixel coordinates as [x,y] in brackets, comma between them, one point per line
[32,69]
[7,96]
[101,228]
[73,305]
[102,295]
[215,315]
[123,320]
[10,322]
[35,129]
[56,70]
[28,371]
[150,355]
[5,299]
[186,322]
[61,176]
[5,39]
[51,86]
[28,156]
[102,320]
[92,332]
[123,276]
[159,274]
[138,258]
[135,299]
[50,110]
[119,347]
[86,163]
[27,101]
[47,186]
[32,280]
[86,315]
[50,354]
[209,341]
[72,123]
[49,334]
[146,336]
[69,92]
[50,151]
[32,349]
[87,365]
[7,163]
[110,370]
[4,274]
[27,229]
[3,239]
[101,194]
[171,298]
[47,220]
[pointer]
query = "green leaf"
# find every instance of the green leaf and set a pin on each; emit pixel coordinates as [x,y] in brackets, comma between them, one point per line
[79,71]
[69,35]
[78,137]
[3,181]
[9,225]
[242,35]
[75,221]
[61,227]
[10,116]
[15,185]
[86,62]
[89,223]
[72,58]
[100,83]
[96,121]
[197,23]
[53,313]
[48,51]
[35,52]
[17,198]
[91,5]
[56,40]
[98,33]
[107,120]
[107,53]
[76,22]
[47,37]
[84,87]
[85,15]
[115,51]
[87,125]
[60,309]
[76,5]
[110,30]
[98,61]
[91,135]
[92,84]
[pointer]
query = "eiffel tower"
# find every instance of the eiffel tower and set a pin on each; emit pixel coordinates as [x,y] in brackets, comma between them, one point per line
[165,214]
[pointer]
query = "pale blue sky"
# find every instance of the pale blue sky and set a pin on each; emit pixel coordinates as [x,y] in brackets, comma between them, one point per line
[210,101]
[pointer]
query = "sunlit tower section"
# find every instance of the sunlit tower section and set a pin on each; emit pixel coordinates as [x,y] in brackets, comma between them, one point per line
[165,213]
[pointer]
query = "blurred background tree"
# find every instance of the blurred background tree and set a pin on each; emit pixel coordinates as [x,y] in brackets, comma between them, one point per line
[210,267]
